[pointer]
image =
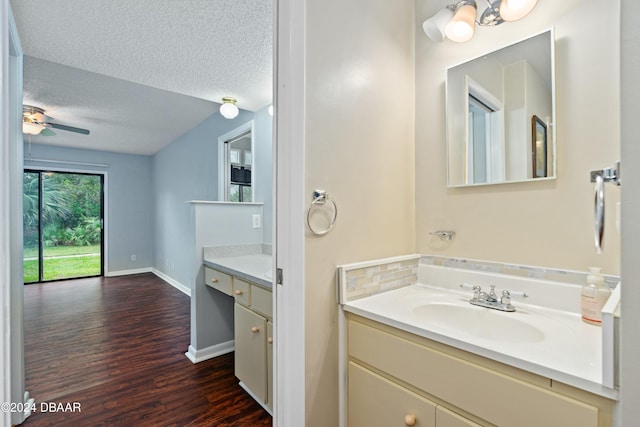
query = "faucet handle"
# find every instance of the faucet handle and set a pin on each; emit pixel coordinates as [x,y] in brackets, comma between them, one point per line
[506,297]
[477,290]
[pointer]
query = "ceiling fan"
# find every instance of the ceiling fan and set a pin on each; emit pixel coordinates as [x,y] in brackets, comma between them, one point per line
[34,122]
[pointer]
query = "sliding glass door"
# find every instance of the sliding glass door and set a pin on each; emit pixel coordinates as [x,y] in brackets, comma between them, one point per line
[63,225]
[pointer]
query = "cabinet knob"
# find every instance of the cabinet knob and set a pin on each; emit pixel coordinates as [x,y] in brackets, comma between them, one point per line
[270,340]
[214,280]
[239,292]
[255,329]
[410,419]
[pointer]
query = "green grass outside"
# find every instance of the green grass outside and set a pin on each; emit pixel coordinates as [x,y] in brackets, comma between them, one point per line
[63,268]
[32,252]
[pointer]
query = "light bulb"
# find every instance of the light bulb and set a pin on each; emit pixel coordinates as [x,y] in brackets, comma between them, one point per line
[462,26]
[434,26]
[228,108]
[512,10]
[31,128]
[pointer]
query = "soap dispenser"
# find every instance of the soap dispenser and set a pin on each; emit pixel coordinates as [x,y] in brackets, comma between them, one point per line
[595,294]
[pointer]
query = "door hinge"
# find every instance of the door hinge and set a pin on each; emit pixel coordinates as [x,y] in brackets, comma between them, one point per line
[278,276]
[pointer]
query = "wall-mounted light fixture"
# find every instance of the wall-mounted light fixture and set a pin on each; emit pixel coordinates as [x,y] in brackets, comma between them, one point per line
[457,21]
[228,109]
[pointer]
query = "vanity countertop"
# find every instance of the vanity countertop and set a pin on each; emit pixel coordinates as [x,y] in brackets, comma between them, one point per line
[255,268]
[553,343]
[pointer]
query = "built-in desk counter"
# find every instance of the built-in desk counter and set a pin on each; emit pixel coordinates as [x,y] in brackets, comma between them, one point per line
[247,278]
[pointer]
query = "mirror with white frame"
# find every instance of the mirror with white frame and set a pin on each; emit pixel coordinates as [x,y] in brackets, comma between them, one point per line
[501,115]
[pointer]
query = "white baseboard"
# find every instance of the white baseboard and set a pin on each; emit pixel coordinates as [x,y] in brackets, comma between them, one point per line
[127,272]
[173,282]
[210,352]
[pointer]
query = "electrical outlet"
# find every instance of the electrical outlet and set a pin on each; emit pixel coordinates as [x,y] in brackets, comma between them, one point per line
[257,223]
[133,257]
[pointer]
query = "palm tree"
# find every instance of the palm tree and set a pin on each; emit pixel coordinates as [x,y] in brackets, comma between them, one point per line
[55,202]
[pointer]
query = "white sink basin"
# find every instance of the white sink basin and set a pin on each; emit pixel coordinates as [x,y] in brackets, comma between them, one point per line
[477,321]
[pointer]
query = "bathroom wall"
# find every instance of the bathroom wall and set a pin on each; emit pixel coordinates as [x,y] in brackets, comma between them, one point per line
[359,148]
[129,199]
[546,223]
[187,169]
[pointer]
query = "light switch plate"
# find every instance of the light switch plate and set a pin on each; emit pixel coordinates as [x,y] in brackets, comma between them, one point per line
[257,223]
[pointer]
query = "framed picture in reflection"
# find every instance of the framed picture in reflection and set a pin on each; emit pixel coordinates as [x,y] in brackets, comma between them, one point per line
[539,147]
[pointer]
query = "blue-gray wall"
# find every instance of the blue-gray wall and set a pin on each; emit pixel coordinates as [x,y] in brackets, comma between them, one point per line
[263,137]
[129,199]
[147,212]
[187,169]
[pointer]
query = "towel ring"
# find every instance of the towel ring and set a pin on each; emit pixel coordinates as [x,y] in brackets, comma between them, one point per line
[320,197]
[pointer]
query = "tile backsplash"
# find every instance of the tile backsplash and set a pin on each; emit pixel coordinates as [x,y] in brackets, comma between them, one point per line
[359,280]
[557,275]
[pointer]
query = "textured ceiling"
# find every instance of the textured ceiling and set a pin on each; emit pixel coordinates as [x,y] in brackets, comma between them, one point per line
[139,74]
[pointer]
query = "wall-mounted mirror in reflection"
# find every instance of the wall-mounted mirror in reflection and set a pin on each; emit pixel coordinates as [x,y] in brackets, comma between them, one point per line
[501,115]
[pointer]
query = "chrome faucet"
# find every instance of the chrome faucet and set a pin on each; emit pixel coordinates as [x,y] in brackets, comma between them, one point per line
[490,300]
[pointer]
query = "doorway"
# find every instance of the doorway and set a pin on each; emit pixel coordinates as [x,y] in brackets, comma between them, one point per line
[63,225]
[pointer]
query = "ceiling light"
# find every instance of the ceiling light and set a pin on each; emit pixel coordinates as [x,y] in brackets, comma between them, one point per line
[228,109]
[31,128]
[457,21]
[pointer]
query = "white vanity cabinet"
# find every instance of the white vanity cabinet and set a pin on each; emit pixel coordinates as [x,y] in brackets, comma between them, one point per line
[253,332]
[396,378]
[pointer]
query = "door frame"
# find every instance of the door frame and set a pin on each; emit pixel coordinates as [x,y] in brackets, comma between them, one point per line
[104,198]
[289,166]
[12,378]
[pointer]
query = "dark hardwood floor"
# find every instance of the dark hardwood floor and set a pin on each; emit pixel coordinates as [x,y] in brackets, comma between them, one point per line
[116,346]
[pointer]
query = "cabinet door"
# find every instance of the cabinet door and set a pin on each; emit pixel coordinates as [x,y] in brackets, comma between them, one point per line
[447,418]
[270,365]
[251,350]
[375,401]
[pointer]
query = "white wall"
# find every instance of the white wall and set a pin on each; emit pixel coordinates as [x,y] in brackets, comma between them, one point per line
[539,223]
[358,147]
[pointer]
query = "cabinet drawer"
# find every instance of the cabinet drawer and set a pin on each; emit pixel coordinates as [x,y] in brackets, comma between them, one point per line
[447,418]
[217,280]
[500,399]
[375,401]
[241,291]
[261,301]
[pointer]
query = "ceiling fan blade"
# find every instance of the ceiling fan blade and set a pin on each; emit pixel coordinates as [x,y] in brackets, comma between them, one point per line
[68,128]
[47,132]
